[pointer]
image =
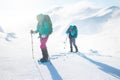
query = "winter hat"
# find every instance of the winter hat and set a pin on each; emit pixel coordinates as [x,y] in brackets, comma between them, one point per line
[41,16]
[41,19]
[71,26]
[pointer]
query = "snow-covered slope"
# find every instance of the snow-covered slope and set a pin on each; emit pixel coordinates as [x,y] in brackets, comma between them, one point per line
[7,36]
[98,58]
[95,30]
[1,30]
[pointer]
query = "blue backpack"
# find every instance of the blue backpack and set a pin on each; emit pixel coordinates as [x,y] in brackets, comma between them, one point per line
[76,31]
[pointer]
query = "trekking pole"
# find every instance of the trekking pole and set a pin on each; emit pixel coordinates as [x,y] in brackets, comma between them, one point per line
[65,42]
[32,46]
[37,66]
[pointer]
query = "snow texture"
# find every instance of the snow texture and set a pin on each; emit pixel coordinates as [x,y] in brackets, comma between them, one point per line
[98,42]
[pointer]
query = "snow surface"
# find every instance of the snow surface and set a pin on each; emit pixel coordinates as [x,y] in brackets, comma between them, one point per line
[98,59]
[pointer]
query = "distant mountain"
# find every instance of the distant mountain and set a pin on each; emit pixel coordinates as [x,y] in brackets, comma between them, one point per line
[54,9]
[10,36]
[7,36]
[114,7]
[1,29]
[94,23]
[89,20]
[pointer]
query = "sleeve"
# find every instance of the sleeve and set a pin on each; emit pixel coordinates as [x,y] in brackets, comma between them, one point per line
[67,31]
[37,29]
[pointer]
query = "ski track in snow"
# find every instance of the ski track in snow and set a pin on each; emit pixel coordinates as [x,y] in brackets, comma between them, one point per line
[108,69]
[104,67]
[64,66]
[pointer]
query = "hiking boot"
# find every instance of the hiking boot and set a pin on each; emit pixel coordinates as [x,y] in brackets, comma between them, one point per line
[71,49]
[76,49]
[43,60]
[45,53]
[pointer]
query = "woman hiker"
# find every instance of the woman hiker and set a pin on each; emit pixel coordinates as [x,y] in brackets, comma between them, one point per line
[44,28]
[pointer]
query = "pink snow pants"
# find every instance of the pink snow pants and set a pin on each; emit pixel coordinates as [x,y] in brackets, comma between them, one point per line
[43,42]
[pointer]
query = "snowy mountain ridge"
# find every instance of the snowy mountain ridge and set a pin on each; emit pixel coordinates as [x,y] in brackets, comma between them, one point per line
[89,20]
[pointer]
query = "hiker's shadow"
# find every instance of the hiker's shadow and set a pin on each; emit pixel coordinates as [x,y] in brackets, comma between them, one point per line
[54,73]
[104,67]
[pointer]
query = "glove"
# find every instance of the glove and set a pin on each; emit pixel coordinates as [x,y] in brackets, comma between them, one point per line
[43,36]
[31,31]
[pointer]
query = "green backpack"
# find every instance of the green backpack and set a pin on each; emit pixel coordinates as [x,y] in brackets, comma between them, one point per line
[48,20]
